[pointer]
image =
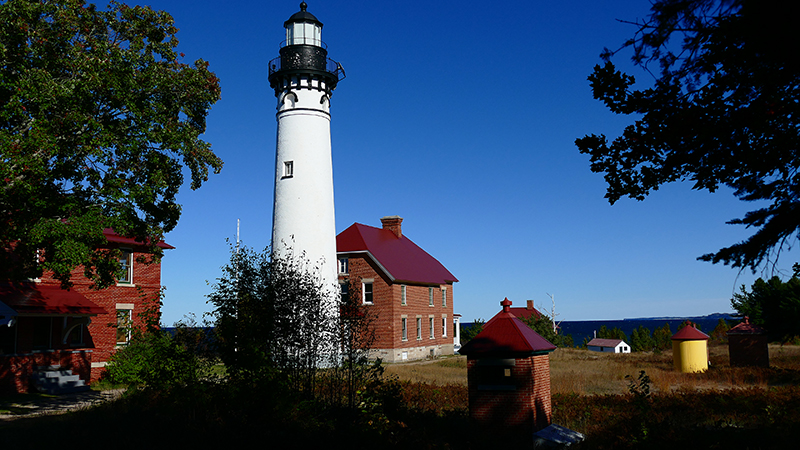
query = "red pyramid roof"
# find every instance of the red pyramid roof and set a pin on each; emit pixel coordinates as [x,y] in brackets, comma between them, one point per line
[506,334]
[746,328]
[399,258]
[689,333]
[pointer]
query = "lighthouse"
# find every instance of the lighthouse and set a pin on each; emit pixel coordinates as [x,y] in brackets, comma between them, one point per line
[304,78]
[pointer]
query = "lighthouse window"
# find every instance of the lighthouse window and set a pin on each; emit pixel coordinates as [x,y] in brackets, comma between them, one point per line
[288,169]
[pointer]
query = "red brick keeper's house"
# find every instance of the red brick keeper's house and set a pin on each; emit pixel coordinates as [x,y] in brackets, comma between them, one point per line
[48,332]
[410,292]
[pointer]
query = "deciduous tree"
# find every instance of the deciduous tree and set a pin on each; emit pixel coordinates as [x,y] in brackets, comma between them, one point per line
[723,109]
[99,121]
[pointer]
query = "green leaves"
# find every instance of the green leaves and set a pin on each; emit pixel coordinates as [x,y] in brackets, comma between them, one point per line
[723,109]
[773,304]
[98,115]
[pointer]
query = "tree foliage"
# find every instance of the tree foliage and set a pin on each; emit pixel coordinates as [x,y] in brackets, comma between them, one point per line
[276,322]
[469,332]
[642,340]
[156,359]
[614,333]
[543,325]
[273,318]
[724,109]
[98,117]
[772,304]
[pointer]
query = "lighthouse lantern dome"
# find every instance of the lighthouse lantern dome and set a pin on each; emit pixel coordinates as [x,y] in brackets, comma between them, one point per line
[303,28]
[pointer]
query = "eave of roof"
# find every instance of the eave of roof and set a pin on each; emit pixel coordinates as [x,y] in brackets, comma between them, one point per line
[43,299]
[400,259]
[111,236]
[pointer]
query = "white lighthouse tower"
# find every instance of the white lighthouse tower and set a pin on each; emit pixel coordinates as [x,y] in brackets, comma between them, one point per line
[304,78]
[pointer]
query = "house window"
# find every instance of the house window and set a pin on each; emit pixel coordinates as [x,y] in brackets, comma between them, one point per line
[344,266]
[444,326]
[403,294]
[419,328]
[430,319]
[366,288]
[444,296]
[288,169]
[75,337]
[126,267]
[345,291]
[124,325]
[42,333]
[404,323]
[430,296]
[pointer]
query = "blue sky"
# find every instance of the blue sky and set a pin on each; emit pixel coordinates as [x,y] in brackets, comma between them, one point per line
[461,118]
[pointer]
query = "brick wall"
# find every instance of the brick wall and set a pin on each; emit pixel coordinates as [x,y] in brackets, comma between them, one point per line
[102,331]
[748,350]
[389,313]
[509,395]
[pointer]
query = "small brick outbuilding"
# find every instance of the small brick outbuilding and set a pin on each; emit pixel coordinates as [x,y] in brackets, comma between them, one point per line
[508,370]
[747,345]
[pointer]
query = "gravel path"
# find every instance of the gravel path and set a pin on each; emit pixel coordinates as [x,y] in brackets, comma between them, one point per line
[59,404]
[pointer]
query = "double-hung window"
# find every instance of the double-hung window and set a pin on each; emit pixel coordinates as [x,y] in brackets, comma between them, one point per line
[404,323]
[444,296]
[403,294]
[124,323]
[430,320]
[366,289]
[430,296]
[126,267]
[419,328]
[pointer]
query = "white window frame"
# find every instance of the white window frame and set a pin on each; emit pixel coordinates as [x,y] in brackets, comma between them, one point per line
[444,326]
[344,266]
[404,325]
[444,297]
[419,328]
[126,263]
[127,310]
[364,300]
[430,322]
[430,296]
[403,294]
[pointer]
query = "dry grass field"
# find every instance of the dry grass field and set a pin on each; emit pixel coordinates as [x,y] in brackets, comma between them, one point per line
[575,371]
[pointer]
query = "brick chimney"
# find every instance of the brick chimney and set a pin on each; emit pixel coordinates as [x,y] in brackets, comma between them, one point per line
[392,223]
[530,305]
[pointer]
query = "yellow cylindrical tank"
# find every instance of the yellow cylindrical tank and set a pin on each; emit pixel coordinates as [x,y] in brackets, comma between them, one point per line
[690,350]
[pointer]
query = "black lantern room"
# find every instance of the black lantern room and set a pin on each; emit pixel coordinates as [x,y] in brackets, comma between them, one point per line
[304,54]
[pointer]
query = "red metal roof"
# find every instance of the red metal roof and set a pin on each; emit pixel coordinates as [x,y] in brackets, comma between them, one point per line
[505,334]
[689,333]
[747,328]
[522,313]
[399,258]
[114,237]
[35,298]
[597,342]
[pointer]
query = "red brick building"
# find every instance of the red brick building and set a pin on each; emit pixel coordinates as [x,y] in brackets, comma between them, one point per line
[44,327]
[410,291]
[508,373]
